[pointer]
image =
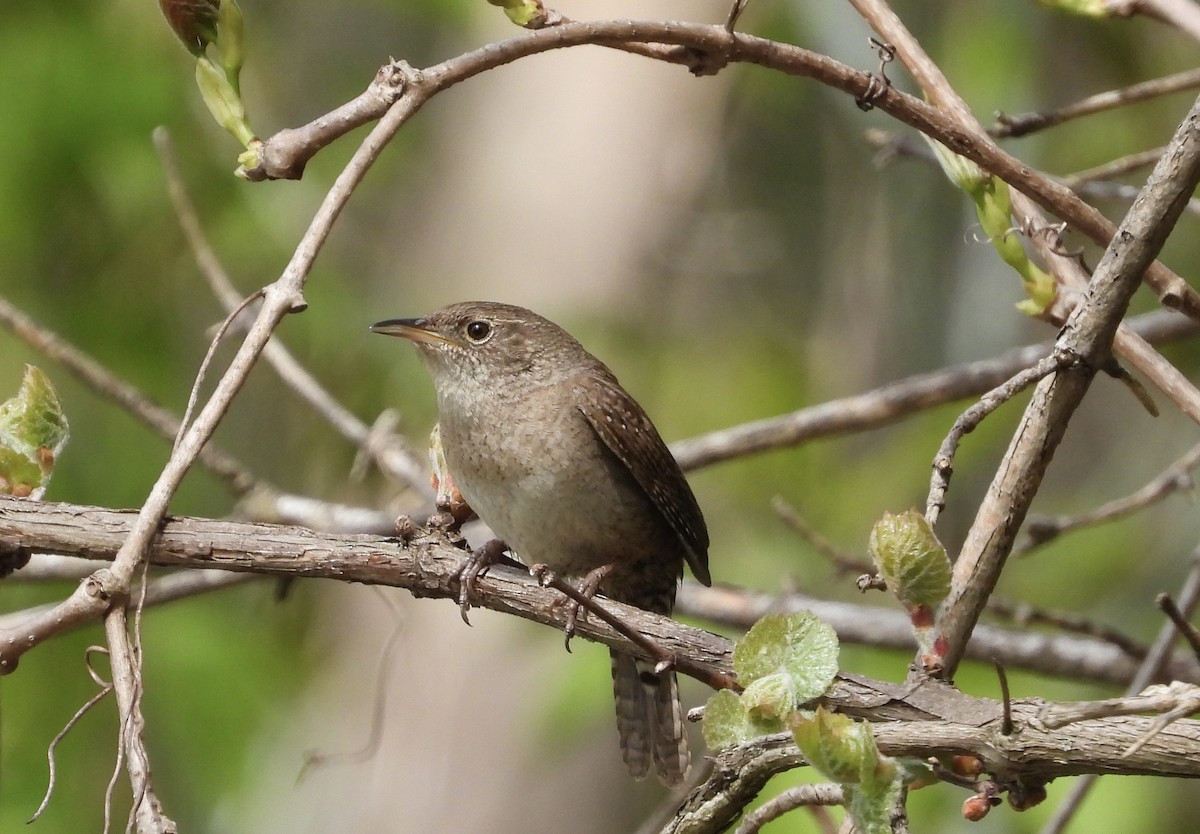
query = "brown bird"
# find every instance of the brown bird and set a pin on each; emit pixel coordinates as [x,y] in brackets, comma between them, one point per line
[568,471]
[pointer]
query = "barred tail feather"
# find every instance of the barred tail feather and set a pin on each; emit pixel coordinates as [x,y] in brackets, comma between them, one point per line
[649,720]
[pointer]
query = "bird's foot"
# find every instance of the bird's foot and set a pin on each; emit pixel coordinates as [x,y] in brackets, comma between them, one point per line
[470,571]
[578,600]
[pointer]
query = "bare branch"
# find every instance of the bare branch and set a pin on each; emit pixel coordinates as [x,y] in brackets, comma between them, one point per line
[1113,168]
[1089,336]
[801,796]
[389,452]
[888,403]
[286,153]
[1024,123]
[1160,652]
[232,472]
[1175,478]
[969,420]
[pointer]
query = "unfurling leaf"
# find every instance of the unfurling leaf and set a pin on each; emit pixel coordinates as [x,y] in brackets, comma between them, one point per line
[219,23]
[193,21]
[844,750]
[33,431]
[770,699]
[993,205]
[911,560]
[528,13]
[799,647]
[728,724]
[834,744]
[783,661]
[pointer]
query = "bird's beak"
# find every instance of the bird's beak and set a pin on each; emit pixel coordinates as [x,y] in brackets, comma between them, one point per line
[415,330]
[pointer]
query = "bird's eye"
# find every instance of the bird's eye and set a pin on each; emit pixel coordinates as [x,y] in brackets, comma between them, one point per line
[478,331]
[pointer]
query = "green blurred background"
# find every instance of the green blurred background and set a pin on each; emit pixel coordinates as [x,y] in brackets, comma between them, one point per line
[726,244]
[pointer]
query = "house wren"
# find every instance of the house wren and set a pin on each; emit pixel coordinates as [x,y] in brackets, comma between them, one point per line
[569,472]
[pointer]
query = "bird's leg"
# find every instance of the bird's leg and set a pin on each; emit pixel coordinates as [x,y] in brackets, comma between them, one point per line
[470,571]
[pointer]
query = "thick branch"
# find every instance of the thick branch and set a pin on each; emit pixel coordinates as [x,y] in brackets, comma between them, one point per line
[1088,335]
[426,566]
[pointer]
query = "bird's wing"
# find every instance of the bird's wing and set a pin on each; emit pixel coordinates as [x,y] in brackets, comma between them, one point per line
[625,429]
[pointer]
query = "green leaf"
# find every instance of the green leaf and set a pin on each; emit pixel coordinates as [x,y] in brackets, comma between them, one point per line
[797,646]
[529,13]
[33,431]
[844,750]
[993,205]
[770,699]
[836,745]
[223,101]
[911,559]
[871,809]
[231,41]
[727,723]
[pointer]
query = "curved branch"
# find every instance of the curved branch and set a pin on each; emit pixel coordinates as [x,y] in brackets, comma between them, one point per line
[285,154]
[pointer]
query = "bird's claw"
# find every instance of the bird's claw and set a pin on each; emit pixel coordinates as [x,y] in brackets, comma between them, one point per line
[576,607]
[469,572]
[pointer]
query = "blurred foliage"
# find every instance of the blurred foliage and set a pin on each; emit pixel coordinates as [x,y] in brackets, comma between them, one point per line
[796,273]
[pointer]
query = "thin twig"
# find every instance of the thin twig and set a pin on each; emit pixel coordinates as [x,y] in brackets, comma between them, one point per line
[1025,123]
[213,343]
[99,379]
[889,403]
[843,561]
[1158,698]
[1148,672]
[801,796]
[969,420]
[387,450]
[1113,168]
[1006,723]
[1189,631]
[1175,478]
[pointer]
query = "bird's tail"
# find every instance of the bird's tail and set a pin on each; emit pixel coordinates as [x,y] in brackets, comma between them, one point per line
[649,720]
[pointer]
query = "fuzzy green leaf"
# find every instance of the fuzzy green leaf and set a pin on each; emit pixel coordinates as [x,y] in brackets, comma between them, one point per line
[798,646]
[33,431]
[844,750]
[911,559]
[728,724]
[871,808]
[770,699]
[836,745]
